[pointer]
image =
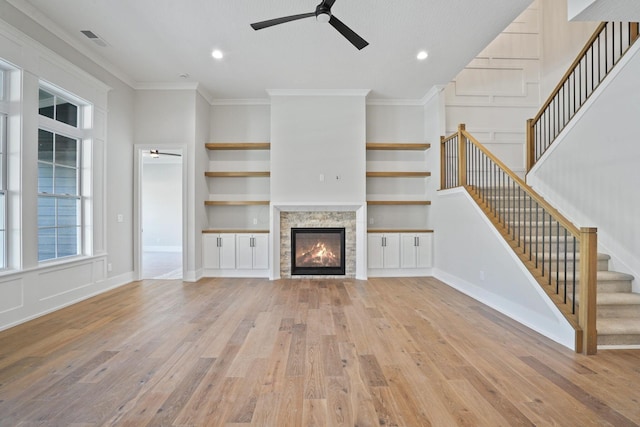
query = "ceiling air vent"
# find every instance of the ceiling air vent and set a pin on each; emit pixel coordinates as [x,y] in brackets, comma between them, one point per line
[94,38]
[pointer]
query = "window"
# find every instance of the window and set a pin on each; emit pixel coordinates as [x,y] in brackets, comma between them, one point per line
[59,196]
[57,108]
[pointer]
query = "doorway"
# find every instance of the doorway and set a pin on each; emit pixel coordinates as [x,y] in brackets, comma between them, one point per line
[160,213]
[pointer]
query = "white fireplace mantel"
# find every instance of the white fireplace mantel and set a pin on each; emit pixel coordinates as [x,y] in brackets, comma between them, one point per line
[361,226]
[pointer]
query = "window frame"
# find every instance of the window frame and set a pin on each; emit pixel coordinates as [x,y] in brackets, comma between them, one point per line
[59,128]
[4,208]
[3,189]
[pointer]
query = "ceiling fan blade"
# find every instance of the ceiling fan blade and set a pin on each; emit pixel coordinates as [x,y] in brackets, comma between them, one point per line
[350,35]
[156,153]
[329,3]
[272,22]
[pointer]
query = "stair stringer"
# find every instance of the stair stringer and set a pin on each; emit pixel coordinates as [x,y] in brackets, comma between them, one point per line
[473,257]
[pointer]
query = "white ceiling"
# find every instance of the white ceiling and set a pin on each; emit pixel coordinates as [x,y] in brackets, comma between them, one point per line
[604,10]
[152,42]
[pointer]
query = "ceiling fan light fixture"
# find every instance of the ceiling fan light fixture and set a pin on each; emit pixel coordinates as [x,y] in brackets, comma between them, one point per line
[217,54]
[323,17]
[422,55]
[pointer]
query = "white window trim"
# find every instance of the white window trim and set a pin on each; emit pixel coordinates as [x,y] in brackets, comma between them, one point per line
[79,133]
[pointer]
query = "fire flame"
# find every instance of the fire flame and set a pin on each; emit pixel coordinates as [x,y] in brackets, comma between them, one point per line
[318,254]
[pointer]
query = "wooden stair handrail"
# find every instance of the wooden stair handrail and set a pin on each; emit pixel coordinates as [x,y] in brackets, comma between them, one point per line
[634,35]
[535,196]
[584,319]
[570,70]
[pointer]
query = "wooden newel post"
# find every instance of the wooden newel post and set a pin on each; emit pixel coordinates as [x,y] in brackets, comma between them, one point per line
[588,289]
[531,144]
[462,156]
[634,31]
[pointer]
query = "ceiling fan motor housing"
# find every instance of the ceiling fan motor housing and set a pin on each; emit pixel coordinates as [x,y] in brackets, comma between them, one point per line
[323,13]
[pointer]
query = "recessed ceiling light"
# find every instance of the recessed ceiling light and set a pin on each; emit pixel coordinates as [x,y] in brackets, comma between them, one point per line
[422,55]
[217,54]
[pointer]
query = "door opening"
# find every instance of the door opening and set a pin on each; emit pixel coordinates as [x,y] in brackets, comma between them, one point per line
[160,202]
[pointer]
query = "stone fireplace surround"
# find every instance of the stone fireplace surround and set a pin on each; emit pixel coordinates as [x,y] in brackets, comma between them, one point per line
[350,216]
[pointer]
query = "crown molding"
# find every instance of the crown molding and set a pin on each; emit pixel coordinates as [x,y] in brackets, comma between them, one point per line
[318,92]
[256,101]
[395,102]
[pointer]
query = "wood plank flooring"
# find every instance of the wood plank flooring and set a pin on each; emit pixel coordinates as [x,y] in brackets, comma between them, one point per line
[249,352]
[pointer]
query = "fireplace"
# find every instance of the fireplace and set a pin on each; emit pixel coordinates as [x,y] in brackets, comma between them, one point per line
[317,251]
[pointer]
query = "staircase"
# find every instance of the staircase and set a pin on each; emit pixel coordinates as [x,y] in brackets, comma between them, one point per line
[618,308]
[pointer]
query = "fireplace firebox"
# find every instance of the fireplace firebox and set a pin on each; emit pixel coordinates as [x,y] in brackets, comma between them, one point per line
[317,251]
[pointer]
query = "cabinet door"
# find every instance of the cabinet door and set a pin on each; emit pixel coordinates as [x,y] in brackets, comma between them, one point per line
[244,251]
[261,251]
[408,250]
[210,251]
[424,255]
[375,258]
[227,251]
[392,250]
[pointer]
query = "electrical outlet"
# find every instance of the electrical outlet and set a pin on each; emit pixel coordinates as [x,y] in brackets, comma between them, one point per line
[255,221]
[371,221]
[120,218]
[321,177]
[109,267]
[481,275]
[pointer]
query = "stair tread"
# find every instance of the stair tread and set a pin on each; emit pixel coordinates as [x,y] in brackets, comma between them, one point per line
[618,326]
[569,256]
[618,298]
[603,275]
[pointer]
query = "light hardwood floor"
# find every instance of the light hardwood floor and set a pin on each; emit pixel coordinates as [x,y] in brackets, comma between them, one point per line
[249,352]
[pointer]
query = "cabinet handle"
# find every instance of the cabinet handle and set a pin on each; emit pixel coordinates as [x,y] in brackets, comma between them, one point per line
[416,241]
[219,242]
[384,241]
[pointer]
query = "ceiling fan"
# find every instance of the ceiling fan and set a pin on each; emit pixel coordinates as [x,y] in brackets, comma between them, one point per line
[322,14]
[155,154]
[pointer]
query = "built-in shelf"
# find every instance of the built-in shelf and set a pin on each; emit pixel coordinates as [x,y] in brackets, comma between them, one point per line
[235,202]
[397,146]
[234,231]
[398,174]
[238,146]
[399,230]
[239,174]
[399,202]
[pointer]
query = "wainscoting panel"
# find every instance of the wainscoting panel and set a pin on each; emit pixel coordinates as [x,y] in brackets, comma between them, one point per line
[12,292]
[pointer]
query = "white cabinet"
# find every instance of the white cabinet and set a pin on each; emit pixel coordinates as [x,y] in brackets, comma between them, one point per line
[219,251]
[383,250]
[416,250]
[252,251]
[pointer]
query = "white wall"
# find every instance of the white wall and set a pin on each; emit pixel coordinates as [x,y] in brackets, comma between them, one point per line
[239,122]
[500,89]
[561,42]
[591,171]
[472,257]
[30,289]
[162,207]
[397,123]
[314,135]
[169,118]
[197,192]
